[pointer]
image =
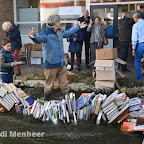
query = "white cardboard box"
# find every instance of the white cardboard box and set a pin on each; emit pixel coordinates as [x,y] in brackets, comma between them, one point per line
[36,60]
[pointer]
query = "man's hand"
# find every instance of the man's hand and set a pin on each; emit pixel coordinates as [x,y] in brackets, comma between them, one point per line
[133,52]
[31,33]
[91,22]
[14,64]
[68,39]
[102,19]
[74,39]
[82,25]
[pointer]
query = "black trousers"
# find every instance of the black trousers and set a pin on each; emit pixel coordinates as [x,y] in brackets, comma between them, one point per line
[123,53]
[87,50]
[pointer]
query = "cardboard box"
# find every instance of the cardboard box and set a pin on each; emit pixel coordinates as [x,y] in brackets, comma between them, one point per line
[36,54]
[36,47]
[109,84]
[108,64]
[99,68]
[106,75]
[36,60]
[103,54]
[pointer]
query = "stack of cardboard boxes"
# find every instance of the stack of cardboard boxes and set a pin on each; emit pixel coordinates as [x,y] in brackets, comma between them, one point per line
[36,54]
[106,65]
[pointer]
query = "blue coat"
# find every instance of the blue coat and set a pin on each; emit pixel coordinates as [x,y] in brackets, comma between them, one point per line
[76,46]
[15,38]
[53,51]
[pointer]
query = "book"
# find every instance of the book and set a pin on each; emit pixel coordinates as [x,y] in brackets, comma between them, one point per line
[2,92]
[20,62]
[81,115]
[2,102]
[10,87]
[99,117]
[98,105]
[67,116]
[73,101]
[110,99]
[135,101]
[109,107]
[75,121]
[113,109]
[120,112]
[29,100]
[33,107]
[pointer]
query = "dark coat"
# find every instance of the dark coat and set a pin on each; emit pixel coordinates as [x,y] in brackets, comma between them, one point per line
[76,46]
[14,36]
[125,29]
[86,34]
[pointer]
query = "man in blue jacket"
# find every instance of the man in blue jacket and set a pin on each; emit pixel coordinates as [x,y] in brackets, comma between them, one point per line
[53,52]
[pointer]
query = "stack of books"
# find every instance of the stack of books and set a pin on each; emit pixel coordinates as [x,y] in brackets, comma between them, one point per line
[115,107]
[7,97]
[11,96]
[56,110]
[121,99]
[135,104]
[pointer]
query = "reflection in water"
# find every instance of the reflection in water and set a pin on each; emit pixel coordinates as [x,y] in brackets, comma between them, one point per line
[85,132]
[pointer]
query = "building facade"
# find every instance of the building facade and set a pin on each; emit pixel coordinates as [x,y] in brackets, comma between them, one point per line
[6,14]
[33,13]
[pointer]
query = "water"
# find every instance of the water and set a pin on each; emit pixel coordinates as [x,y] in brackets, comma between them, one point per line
[85,132]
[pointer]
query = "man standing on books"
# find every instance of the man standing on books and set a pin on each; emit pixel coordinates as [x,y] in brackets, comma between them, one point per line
[138,42]
[53,52]
[86,35]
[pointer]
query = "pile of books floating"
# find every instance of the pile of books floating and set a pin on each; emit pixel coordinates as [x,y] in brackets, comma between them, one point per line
[102,108]
[13,98]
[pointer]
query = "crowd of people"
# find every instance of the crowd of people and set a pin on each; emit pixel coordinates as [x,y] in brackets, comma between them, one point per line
[86,30]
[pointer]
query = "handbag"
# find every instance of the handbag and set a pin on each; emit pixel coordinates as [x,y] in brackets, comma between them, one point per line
[105,40]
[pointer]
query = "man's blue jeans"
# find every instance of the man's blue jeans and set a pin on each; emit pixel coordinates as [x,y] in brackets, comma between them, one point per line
[138,57]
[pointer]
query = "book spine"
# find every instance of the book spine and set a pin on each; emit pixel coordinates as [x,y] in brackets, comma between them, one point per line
[33,107]
[16,108]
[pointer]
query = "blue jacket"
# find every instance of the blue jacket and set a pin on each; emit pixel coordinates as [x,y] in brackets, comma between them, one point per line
[53,51]
[76,46]
[5,61]
[15,38]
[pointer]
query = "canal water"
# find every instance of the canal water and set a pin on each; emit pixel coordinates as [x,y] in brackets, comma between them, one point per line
[85,132]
